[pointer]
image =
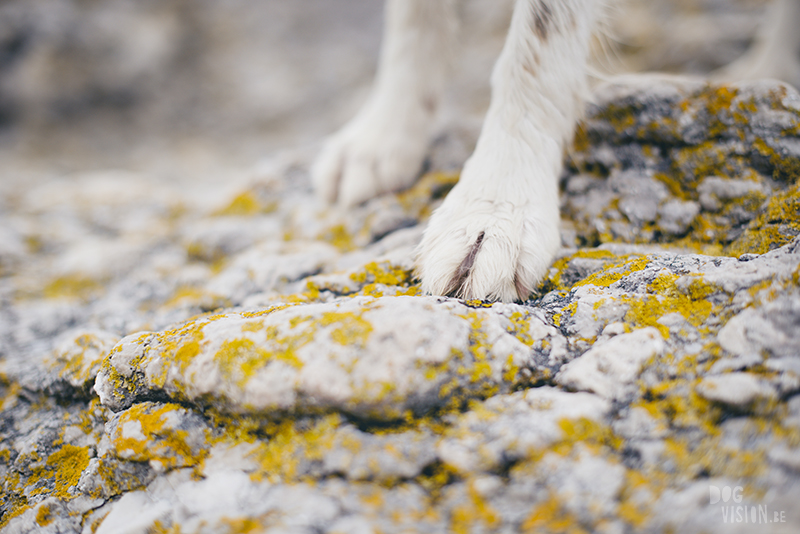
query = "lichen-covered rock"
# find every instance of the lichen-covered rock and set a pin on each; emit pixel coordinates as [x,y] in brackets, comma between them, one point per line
[291,378]
[738,390]
[166,436]
[75,362]
[508,428]
[369,357]
[714,167]
[611,367]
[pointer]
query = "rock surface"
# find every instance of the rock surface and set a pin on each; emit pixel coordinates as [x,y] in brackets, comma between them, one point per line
[198,355]
[270,364]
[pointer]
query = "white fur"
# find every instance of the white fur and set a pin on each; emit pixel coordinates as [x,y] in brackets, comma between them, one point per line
[509,187]
[775,51]
[383,147]
[496,233]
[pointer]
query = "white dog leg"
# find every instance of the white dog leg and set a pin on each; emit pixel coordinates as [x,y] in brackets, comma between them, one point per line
[497,231]
[383,147]
[776,50]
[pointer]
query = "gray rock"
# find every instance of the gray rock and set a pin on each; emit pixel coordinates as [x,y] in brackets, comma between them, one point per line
[676,216]
[611,368]
[735,389]
[348,355]
[714,189]
[774,327]
[511,427]
[261,362]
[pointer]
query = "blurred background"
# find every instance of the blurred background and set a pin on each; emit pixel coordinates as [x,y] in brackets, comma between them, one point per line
[192,90]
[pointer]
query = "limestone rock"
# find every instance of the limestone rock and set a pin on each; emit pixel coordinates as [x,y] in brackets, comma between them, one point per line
[681,158]
[376,358]
[508,428]
[611,367]
[250,360]
[735,389]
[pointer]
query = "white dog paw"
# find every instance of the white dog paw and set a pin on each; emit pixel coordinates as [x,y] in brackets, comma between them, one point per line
[487,248]
[381,150]
[486,251]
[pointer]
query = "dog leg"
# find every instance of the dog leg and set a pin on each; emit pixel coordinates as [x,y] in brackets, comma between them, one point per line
[497,232]
[383,147]
[775,53]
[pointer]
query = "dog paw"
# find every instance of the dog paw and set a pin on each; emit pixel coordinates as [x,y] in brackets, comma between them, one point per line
[491,240]
[381,150]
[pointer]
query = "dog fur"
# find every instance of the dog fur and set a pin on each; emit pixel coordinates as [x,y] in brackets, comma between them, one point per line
[497,232]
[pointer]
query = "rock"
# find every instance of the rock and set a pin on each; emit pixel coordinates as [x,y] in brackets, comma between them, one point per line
[610,368]
[715,190]
[269,267]
[774,327]
[508,428]
[253,361]
[364,456]
[786,457]
[166,436]
[699,161]
[676,216]
[76,360]
[738,390]
[348,356]
[586,487]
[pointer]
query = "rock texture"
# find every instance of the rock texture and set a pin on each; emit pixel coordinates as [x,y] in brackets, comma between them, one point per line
[269,365]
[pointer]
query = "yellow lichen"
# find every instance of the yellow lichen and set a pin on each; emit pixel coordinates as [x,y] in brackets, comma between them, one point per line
[580,141]
[261,313]
[64,466]
[551,516]
[615,272]
[586,432]
[44,516]
[374,275]
[339,237]
[511,371]
[676,186]
[289,443]
[193,296]
[73,286]
[243,525]
[566,312]
[416,201]
[181,345]
[777,225]
[15,505]
[350,328]
[668,298]
[311,294]
[518,327]
[145,433]
[464,517]
[160,528]
[637,497]
[374,278]
[435,478]
[97,522]
[621,118]
[246,204]
[559,266]
[787,169]
[239,359]
[673,403]
[74,364]
[477,366]
[711,458]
